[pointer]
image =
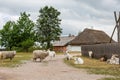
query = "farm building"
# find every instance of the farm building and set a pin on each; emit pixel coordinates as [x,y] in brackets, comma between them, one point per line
[61,45]
[89,37]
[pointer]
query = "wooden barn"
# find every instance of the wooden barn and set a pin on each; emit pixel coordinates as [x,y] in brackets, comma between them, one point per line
[61,45]
[89,37]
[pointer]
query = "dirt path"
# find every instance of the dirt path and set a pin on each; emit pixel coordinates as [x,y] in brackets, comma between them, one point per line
[47,70]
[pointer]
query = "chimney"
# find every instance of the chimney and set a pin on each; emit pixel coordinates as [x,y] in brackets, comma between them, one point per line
[70,35]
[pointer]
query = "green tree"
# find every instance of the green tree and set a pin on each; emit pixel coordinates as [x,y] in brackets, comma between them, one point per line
[25,29]
[27,44]
[7,35]
[48,26]
[19,34]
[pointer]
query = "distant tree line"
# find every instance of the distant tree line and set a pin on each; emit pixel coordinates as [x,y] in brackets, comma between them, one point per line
[23,33]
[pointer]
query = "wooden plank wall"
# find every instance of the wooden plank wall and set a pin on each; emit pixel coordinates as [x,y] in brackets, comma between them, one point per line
[100,50]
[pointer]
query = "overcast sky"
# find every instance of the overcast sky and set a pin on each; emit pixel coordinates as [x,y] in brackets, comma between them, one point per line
[76,15]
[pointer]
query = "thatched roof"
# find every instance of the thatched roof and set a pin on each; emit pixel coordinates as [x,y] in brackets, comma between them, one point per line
[63,41]
[90,36]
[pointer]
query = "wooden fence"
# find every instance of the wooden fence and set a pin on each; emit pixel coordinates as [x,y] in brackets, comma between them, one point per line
[100,50]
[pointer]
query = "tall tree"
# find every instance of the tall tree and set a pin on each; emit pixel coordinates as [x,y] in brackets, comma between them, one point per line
[25,29]
[48,26]
[7,35]
[19,34]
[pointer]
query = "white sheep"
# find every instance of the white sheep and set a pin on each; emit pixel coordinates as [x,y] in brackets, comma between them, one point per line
[7,55]
[78,60]
[68,56]
[39,54]
[51,53]
[114,59]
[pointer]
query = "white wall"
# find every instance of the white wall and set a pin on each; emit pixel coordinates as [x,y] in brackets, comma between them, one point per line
[74,48]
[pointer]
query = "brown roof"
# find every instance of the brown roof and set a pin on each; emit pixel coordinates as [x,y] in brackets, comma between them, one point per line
[63,41]
[90,36]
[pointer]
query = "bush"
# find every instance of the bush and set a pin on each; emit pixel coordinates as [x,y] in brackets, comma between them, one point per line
[31,49]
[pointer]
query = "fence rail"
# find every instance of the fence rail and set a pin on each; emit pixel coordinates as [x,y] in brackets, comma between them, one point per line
[100,50]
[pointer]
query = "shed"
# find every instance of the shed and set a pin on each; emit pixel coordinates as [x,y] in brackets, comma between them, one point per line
[61,45]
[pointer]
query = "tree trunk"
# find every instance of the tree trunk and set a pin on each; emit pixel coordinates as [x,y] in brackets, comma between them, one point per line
[10,48]
[48,44]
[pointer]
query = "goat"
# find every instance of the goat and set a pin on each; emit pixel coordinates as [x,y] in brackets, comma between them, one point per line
[103,58]
[68,56]
[51,53]
[90,54]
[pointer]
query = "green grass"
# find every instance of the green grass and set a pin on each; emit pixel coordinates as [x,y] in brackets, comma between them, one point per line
[110,79]
[60,53]
[17,60]
[97,67]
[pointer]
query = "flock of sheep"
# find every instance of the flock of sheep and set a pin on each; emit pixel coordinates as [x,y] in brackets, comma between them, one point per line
[41,55]
[37,54]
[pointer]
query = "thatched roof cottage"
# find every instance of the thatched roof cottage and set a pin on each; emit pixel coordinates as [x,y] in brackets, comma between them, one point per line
[89,37]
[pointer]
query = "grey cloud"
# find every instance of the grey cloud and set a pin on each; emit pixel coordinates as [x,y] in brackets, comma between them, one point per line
[97,13]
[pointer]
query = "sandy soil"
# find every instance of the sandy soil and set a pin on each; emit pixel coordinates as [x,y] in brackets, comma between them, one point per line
[55,69]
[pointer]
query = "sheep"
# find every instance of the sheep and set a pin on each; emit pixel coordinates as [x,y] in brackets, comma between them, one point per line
[39,54]
[78,60]
[7,55]
[51,53]
[68,56]
[114,59]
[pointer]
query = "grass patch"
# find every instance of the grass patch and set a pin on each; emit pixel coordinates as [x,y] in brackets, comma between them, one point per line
[97,67]
[110,79]
[17,60]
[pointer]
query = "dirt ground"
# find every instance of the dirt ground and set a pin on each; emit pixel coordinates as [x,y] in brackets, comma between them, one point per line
[54,69]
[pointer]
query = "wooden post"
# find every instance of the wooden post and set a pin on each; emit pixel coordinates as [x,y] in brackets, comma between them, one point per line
[119,29]
[117,20]
[112,34]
